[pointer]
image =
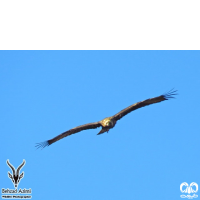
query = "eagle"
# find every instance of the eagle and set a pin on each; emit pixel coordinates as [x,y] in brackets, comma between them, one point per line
[109,122]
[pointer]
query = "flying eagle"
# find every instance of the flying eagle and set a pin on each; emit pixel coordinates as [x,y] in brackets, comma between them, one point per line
[109,122]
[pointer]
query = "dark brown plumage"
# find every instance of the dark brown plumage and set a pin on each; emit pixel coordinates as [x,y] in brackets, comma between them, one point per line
[109,122]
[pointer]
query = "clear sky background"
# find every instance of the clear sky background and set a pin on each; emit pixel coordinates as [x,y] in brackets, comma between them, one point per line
[147,155]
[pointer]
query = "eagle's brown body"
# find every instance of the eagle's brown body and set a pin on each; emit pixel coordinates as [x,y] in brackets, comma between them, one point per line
[109,122]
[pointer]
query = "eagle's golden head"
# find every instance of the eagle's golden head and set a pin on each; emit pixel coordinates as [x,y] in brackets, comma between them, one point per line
[107,124]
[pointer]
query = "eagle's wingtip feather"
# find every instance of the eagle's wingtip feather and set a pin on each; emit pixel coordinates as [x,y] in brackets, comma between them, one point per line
[42,145]
[170,94]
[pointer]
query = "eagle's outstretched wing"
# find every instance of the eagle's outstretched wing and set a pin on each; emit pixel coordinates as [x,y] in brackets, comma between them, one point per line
[67,133]
[146,102]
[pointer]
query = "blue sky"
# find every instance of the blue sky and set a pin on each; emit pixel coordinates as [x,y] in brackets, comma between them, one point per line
[147,155]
